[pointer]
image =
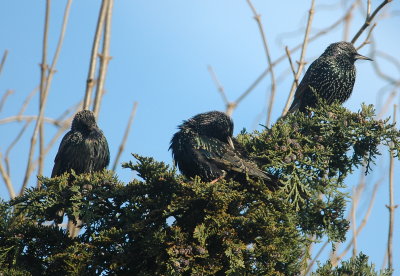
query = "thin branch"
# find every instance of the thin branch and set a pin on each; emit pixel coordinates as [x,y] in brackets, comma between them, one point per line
[104,60]
[13,143]
[391,207]
[291,65]
[311,264]
[257,17]
[365,218]
[3,60]
[301,62]
[353,222]
[369,18]
[7,179]
[366,41]
[220,88]
[4,98]
[19,118]
[125,138]
[93,59]
[43,77]
[27,101]
[50,78]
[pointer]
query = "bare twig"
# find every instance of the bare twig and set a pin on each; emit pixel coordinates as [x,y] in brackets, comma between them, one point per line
[4,98]
[257,17]
[13,143]
[6,179]
[125,138]
[43,99]
[311,264]
[366,40]
[27,101]
[218,84]
[104,59]
[354,223]
[369,19]
[43,76]
[19,118]
[391,207]
[3,60]
[93,59]
[364,220]
[301,62]
[291,65]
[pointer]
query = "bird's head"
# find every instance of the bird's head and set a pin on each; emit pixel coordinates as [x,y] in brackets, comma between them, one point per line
[344,50]
[84,121]
[214,124]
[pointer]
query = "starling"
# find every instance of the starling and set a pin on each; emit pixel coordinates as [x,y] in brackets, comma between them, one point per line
[83,149]
[203,146]
[331,77]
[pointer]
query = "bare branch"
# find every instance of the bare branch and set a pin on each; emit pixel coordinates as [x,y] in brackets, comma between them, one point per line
[220,88]
[125,138]
[27,101]
[3,60]
[354,223]
[4,98]
[257,17]
[364,220]
[301,62]
[391,207]
[93,58]
[104,59]
[366,41]
[6,179]
[311,264]
[43,77]
[19,118]
[291,65]
[13,143]
[369,19]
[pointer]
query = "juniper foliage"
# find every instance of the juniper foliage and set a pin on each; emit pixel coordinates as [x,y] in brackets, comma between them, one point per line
[165,224]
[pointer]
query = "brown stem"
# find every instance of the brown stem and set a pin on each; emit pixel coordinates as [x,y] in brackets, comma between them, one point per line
[391,207]
[93,58]
[13,143]
[291,65]
[7,179]
[4,98]
[218,84]
[369,19]
[19,118]
[257,17]
[104,59]
[43,77]
[3,60]
[302,56]
[125,138]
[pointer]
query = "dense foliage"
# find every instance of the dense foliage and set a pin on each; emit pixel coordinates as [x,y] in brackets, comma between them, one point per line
[164,224]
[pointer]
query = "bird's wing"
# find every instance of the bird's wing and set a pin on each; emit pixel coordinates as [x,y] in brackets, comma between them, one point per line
[304,85]
[69,154]
[225,157]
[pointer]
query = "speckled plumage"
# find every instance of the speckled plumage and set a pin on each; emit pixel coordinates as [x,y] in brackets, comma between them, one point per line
[84,148]
[331,77]
[203,146]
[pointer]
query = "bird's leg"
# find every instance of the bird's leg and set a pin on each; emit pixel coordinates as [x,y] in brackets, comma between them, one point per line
[220,177]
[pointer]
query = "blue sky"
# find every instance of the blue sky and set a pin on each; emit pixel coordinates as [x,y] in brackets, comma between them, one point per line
[161,50]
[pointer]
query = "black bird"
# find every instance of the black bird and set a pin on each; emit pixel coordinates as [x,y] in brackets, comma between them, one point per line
[203,146]
[331,77]
[83,149]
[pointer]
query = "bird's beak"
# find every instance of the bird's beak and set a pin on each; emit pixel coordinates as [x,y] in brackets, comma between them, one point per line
[230,142]
[358,56]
